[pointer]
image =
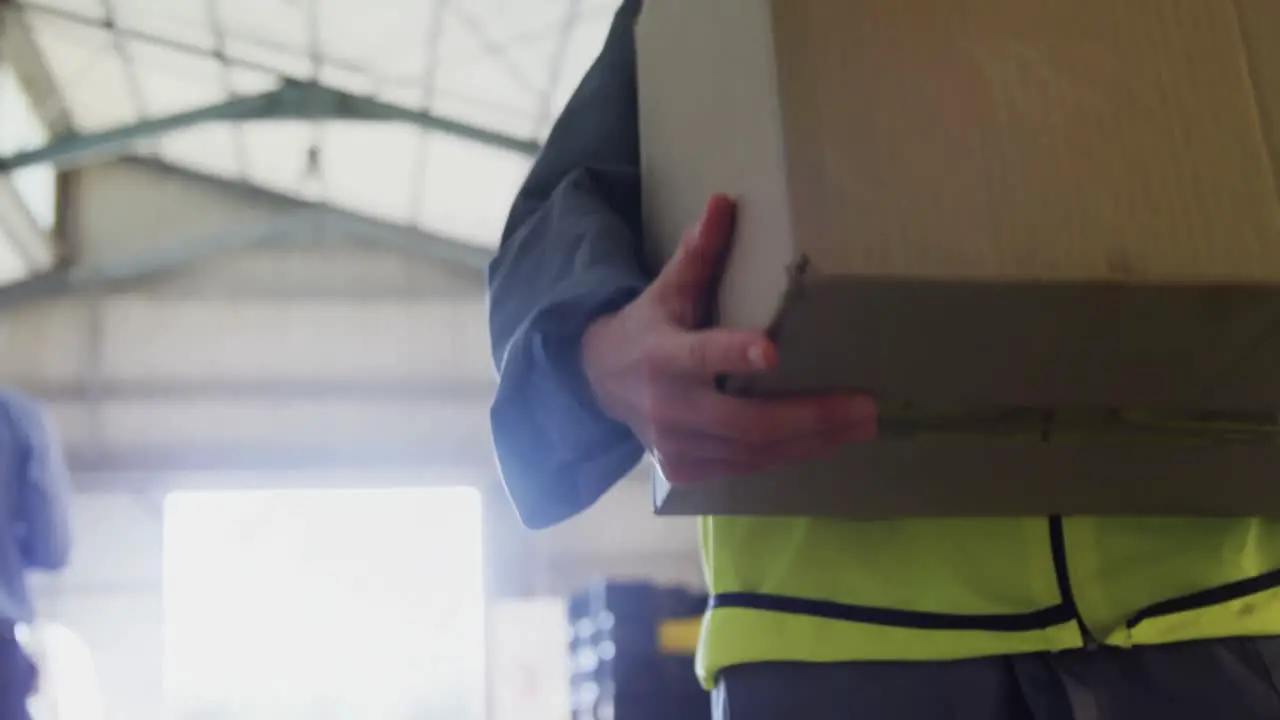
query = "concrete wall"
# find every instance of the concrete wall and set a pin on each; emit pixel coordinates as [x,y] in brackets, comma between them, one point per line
[341,350]
[326,343]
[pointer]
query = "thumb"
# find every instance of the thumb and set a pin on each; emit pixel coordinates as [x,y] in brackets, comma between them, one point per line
[691,273]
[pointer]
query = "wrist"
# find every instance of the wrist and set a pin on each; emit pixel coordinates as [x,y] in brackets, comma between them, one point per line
[593,355]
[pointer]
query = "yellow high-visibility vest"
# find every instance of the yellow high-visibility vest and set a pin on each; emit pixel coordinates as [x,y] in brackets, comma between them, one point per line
[820,590]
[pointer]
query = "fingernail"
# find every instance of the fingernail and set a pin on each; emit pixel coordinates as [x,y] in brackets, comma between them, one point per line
[756,356]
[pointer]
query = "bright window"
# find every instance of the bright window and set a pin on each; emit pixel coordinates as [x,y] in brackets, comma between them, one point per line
[22,129]
[330,603]
[68,685]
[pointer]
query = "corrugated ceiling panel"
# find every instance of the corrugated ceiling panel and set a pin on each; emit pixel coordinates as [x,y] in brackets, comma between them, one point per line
[173,82]
[405,95]
[277,154]
[583,45]
[275,28]
[391,38]
[94,9]
[494,62]
[211,149]
[21,129]
[503,65]
[514,119]
[281,61]
[368,168]
[351,80]
[246,81]
[186,21]
[468,189]
[90,74]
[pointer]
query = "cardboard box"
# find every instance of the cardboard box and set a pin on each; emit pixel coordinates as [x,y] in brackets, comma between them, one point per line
[1018,208]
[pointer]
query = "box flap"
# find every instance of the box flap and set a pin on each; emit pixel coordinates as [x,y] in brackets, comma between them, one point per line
[1000,345]
[890,480]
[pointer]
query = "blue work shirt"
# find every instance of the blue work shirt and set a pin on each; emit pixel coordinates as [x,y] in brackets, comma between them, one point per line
[571,252]
[34,500]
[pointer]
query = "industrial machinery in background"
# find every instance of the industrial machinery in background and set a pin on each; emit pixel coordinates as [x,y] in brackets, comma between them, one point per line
[631,649]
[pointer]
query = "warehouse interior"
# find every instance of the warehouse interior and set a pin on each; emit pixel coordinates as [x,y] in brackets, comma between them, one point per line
[242,252]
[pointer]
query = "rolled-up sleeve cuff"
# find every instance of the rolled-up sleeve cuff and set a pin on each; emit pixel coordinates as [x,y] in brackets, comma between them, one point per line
[558,452]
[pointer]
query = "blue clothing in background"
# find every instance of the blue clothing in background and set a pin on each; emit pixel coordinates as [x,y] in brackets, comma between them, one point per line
[35,489]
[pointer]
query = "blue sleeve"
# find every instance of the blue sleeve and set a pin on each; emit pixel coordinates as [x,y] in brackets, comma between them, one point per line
[571,252]
[44,487]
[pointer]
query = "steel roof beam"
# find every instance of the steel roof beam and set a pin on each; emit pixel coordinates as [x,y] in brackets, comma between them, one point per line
[293,100]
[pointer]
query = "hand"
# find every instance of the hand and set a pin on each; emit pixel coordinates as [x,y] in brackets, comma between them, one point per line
[653,367]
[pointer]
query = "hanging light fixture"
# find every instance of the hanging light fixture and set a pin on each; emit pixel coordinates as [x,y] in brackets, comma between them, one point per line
[311,186]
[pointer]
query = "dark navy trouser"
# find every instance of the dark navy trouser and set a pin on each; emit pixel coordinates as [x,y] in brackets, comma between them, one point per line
[1232,679]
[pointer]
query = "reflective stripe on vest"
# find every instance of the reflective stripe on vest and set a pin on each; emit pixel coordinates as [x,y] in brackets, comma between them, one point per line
[1016,622]
[753,617]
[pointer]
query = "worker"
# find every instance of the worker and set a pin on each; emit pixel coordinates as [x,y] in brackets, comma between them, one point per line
[34,503]
[993,619]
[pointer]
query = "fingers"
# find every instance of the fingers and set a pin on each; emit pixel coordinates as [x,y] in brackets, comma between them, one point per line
[698,433]
[693,270]
[772,421]
[718,436]
[681,468]
[715,448]
[708,353]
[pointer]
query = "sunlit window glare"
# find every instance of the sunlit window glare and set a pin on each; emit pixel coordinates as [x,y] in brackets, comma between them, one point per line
[68,684]
[330,603]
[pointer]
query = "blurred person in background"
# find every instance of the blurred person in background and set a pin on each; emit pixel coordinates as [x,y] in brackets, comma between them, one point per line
[34,496]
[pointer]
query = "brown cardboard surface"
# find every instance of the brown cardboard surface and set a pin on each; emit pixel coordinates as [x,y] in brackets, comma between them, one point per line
[896,479]
[1061,345]
[1044,204]
[1013,139]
